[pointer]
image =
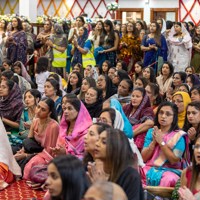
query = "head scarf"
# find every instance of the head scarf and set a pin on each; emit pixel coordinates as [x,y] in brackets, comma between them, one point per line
[6,155]
[186,101]
[195,79]
[118,122]
[24,71]
[94,73]
[75,142]
[11,106]
[186,40]
[164,27]
[58,29]
[114,103]
[77,58]
[143,112]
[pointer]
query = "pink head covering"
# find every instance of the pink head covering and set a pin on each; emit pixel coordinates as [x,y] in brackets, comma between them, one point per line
[74,143]
[24,71]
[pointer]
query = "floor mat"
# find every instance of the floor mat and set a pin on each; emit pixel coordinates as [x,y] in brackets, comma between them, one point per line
[20,191]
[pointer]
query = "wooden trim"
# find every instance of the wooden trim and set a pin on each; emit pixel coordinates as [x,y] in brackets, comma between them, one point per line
[120,10]
[38,27]
[164,10]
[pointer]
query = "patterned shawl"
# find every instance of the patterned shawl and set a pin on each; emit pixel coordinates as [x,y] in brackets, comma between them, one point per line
[143,112]
[11,107]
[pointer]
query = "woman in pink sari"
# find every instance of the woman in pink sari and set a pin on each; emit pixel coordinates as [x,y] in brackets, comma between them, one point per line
[44,131]
[164,148]
[73,126]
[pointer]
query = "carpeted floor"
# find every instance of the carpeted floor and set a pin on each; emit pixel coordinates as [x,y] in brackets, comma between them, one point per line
[20,191]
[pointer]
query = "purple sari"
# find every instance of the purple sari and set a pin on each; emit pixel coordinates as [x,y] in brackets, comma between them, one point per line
[17,52]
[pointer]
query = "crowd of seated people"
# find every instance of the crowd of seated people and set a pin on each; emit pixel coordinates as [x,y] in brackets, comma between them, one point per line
[119,119]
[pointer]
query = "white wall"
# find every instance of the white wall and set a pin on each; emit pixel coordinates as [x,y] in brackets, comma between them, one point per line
[148,6]
[28,8]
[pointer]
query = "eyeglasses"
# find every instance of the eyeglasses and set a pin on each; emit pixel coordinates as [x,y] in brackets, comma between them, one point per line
[168,114]
[103,120]
[196,146]
[177,101]
[176,78]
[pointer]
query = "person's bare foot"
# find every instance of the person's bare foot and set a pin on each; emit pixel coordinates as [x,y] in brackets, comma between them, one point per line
[3,185]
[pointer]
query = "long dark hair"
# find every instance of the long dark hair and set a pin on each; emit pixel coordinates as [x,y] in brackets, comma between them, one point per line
[55,85]
[174,125]
[157,36]
[155,92]
[171,68]
[6,24]
[100,128]
[42,65]
[72,173]
[50,104]
[102,34]
[35,93]
[144,81]
[135,30]
[195,170]
[119,154]
[78,85]
[152,78]
[140,63]
[19,26]
[111,35]
[187,125]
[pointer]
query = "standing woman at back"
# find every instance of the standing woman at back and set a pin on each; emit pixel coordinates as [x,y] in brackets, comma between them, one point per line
[111,43]
[16,42]
[180,46]
[153,46]
[130,43]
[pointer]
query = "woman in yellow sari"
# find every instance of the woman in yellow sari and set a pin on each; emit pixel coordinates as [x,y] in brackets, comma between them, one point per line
[130,43]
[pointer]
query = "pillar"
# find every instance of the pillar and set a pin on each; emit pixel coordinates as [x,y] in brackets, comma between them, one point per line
[28,8]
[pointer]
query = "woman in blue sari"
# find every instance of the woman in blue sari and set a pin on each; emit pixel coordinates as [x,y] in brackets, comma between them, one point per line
[164,148]
[79,43]
[154,45]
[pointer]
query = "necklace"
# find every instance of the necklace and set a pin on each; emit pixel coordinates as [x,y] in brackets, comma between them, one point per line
[42,127]
[31,114]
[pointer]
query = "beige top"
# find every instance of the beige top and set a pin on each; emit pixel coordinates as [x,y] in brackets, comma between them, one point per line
[164,86]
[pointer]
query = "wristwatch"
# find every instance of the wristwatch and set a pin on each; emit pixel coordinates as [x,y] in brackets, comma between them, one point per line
[163,143]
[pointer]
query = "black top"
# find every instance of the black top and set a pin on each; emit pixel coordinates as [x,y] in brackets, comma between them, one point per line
[130,181]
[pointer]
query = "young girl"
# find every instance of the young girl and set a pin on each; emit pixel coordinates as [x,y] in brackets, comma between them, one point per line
[138,70]
[106,66]
[41,73]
